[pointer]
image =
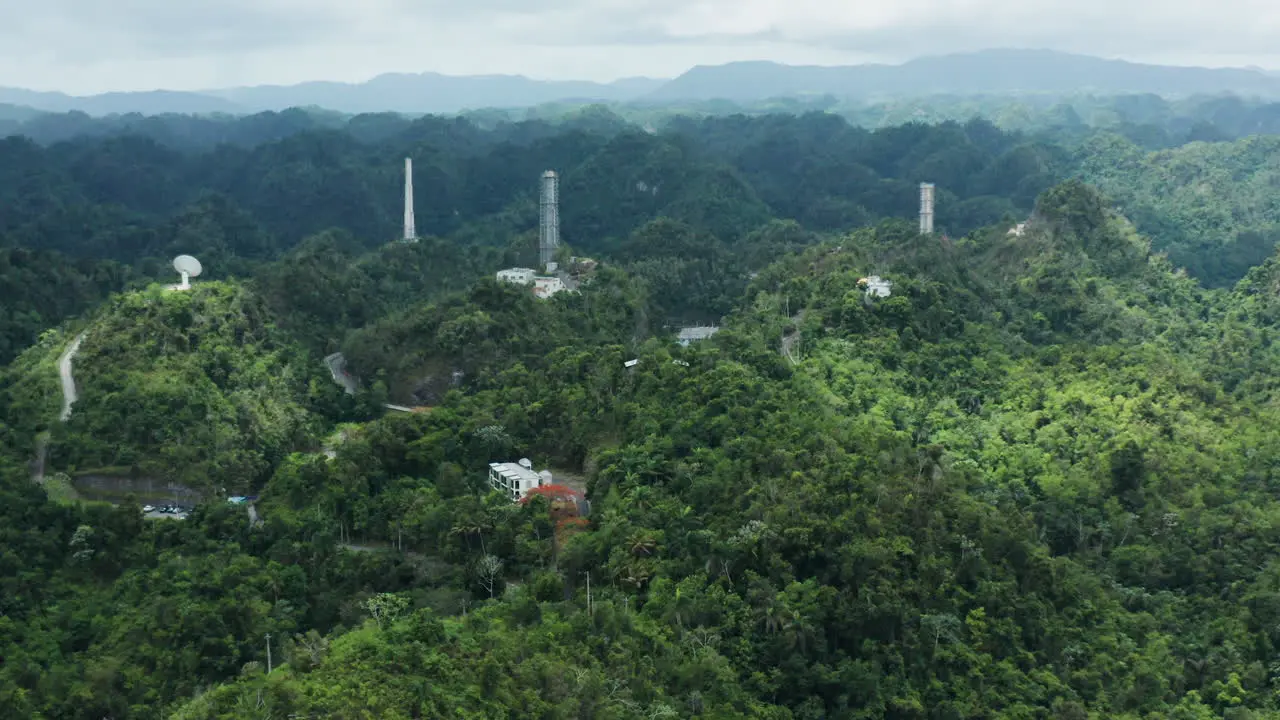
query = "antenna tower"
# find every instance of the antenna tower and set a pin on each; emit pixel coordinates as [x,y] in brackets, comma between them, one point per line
[926,208]
[410,233]
[549,226]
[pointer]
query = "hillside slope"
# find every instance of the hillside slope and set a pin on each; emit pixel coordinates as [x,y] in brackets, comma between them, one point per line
[196,387]
[1210,205]
[1036,481]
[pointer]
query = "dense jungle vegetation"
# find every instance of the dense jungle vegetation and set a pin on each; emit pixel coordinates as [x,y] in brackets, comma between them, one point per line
[1037,481]
[105,208]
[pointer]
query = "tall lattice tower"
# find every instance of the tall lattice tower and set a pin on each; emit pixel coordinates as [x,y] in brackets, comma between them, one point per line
[410,232]
[549,227]
[926,208]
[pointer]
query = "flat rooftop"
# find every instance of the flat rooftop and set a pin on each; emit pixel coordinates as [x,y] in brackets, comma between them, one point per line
[515,471]
[698,333]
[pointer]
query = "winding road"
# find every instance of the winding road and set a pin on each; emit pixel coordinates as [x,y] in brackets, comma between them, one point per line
[68,382]
[337,364]
[790,341]
[68,399]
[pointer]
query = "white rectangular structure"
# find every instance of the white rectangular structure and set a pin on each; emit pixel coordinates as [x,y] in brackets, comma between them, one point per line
[878,286]
[516,479]
[546,286]
[518,276]
[693,334]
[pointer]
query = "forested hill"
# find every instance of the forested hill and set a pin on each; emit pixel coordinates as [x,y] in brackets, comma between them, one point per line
[722,185]
[199,388]
[1151,120]
[1193,197]
[95,214]
[727,174]
[1034,482]
[1037,481]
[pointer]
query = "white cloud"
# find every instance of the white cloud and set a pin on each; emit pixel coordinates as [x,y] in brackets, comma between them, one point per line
[92,45]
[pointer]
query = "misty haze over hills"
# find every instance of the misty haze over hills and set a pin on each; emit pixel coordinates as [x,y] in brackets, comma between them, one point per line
[148,103]
[984,72]
[432,92]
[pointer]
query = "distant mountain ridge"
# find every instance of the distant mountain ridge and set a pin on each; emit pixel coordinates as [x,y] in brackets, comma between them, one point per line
[153,102]
[433,92]
[392,92]
[978,73]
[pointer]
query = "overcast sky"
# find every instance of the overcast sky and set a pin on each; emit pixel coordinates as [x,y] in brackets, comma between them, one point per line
[86,46]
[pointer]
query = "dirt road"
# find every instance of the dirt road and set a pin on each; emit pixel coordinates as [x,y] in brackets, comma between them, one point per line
[68,382]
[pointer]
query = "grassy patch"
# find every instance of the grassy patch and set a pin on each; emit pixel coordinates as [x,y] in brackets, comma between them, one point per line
[59,489]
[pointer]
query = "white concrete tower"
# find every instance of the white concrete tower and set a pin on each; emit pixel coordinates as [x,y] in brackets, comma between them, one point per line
[549,225]
[410,232]
[926,208]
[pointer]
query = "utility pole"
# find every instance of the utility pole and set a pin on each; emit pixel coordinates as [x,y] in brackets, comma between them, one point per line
[268,653]
[588,574]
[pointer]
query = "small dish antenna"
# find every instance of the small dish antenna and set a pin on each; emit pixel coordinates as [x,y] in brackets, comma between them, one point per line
[189,267]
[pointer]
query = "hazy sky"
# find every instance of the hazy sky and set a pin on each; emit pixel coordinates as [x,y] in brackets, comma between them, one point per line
[84,46]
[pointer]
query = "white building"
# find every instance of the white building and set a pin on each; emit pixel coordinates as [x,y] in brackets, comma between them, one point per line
[1018,230]
[691,334]
[518,276]
[517,479]
[546,286]
[876,286]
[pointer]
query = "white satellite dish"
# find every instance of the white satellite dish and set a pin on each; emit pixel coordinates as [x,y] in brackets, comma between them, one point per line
[188,267]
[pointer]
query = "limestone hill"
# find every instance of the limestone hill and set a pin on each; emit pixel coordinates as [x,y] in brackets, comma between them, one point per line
[195,387]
